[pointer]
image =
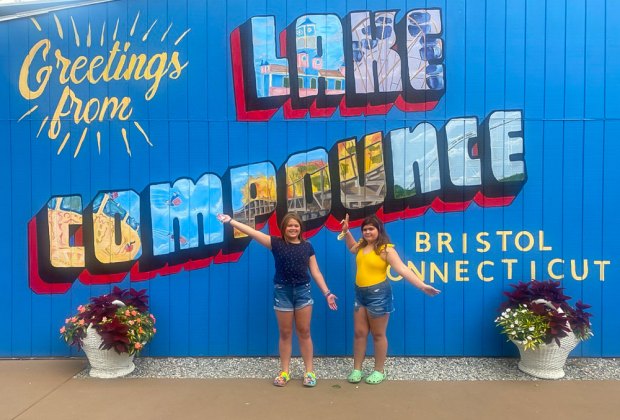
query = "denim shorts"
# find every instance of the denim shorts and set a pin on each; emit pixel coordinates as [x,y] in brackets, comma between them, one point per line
[290,297]
[377,299]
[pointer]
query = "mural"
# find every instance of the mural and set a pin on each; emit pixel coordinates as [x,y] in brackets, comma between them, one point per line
[179,220]
[356,63]
[68,73]
[471,128]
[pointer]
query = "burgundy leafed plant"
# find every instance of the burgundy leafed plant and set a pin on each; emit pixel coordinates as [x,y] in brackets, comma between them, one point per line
[121,318]
[554,318]
[580,320]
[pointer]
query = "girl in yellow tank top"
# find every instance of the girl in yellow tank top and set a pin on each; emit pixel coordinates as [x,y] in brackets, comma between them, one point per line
[373,293]
[371,268]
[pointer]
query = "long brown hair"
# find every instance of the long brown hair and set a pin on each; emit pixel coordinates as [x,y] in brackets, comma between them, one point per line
[383,238]
[287,217]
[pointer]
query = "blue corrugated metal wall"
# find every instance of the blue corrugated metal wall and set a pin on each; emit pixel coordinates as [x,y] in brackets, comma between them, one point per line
[554,61]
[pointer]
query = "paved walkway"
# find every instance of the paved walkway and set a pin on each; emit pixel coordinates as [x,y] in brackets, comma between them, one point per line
[48,389]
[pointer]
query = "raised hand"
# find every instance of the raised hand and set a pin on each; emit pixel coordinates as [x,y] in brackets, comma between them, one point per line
[224,218]
[345,227]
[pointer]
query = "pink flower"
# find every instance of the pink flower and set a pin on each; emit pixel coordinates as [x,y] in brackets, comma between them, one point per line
[81,322]
[104,319]
[127,313]
[141,331]
[137,346]
[153,318]
[62,330]
[74,319]
[134,313]
[67,320]
[81,309]
[154,330]
[130,322]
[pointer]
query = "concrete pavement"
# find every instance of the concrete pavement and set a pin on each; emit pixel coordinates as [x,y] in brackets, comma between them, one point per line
[47,389]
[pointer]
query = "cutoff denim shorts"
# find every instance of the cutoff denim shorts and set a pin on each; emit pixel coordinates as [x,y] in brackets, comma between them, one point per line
[289,297]
[377,299]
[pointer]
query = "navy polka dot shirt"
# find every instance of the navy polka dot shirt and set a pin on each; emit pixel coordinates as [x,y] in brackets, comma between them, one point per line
[291,261]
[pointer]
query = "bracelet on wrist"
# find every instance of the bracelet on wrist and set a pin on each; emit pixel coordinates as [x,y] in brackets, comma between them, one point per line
[326,294]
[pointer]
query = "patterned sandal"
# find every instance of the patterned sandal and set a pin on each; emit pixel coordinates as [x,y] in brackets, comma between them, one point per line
[355,376]
[376,377]
[282,379]
[310,379]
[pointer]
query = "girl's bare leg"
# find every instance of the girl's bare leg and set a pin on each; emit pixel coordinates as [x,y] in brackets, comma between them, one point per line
[360,336]
[302,326]
[285,344]
[378,327]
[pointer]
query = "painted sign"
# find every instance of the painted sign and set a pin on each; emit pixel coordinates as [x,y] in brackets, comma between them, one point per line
[482,134]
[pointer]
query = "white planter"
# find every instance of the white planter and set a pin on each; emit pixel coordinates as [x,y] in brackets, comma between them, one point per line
[105,363]
[548,360]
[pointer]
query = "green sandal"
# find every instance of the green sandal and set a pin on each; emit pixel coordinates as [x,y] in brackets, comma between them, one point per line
[355,376]
[376,377]
[310,379]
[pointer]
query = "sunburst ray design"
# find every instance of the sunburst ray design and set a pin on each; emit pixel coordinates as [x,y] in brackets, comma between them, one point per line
[75,32]
[30,111]
[59,27]
[36,24]
[135,22]
[146,35]
[42,125]
[102,34]
[166,33]
[124,133]
[181,37]
[64,142]
[79,146]
[115,30]
[91,32]
[146,137]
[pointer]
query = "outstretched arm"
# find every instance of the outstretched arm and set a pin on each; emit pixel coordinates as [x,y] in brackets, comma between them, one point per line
[260,237]
[394,260]
[320,281]
[348,236]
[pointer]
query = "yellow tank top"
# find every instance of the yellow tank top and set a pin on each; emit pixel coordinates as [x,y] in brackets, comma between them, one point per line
[371,269]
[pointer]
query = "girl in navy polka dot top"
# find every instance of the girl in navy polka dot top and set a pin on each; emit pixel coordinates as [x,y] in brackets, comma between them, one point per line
[292,299]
